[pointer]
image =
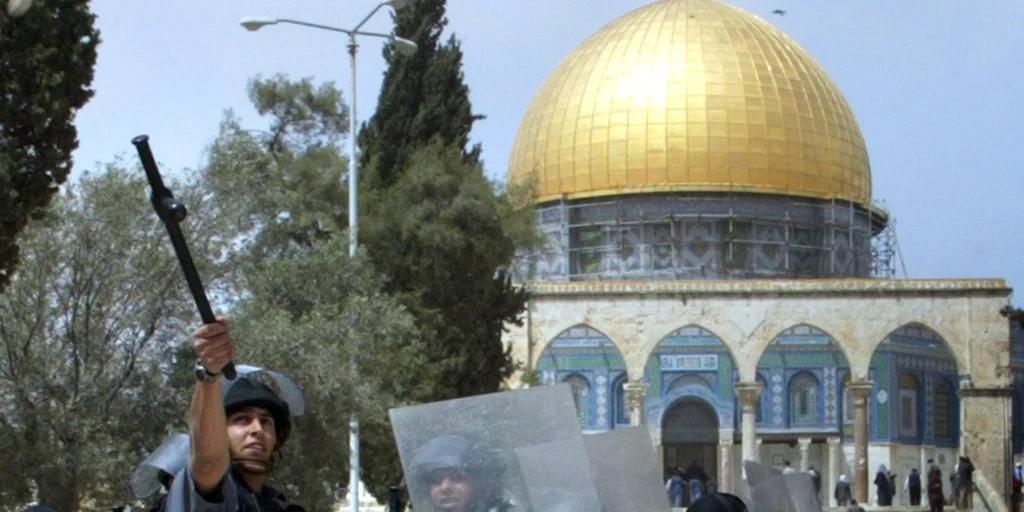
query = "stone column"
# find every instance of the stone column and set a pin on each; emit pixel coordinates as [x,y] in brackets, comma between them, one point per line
[805,452]
[860,392]
[749,394]
[725,460]
[636,394]
[835,465]
[985,431]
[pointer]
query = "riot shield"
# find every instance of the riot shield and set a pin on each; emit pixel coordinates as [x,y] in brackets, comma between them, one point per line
[554,482]
[792,492]
[625,470]
[165,462]
[519,450]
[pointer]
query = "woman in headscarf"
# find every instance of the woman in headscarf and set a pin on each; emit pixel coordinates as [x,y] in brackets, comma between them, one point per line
[883,486]
[842,492]
[935,496]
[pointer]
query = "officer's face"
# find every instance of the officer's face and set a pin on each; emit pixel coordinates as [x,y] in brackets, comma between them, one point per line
[452,490]
[252,439]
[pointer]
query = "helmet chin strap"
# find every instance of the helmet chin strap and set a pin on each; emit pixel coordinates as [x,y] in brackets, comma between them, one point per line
[255,466]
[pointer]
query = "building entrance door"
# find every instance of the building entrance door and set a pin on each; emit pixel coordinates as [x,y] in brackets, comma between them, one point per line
[689,433]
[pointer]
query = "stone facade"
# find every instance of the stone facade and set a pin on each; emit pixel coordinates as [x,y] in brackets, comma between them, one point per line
[747,318]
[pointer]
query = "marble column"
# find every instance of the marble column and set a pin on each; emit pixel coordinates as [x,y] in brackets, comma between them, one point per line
[860,392]
[835,466]
[636,394]
[749,394]
[805,452]
[725,444]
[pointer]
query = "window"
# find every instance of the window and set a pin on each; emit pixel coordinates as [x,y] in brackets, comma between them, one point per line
[803,399]
[580,396]
[619,394]
[848,408]
[908,405]
[943,410]
[763,402]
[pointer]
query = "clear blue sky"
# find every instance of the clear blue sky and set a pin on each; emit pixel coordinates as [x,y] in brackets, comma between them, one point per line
[938,89]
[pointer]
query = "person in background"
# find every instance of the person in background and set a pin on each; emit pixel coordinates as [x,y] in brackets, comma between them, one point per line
[1018,482]
[964,482]
[913,487]
[935,496]
[675,487]
[842,493]
[816,480]
[883,486]
[854,507]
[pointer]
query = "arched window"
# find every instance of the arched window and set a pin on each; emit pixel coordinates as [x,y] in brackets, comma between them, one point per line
[688,380]
[803,399]
[762,404]
[908,405]
[580,396]
[621,415]
[848,408]
[943,404]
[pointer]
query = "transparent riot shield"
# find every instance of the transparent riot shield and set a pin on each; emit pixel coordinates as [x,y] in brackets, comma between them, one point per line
[518,450]
[793,492]
[625,470]
[157,469]
[555,482]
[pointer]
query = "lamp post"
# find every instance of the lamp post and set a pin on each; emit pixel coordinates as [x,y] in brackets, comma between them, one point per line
[404,47]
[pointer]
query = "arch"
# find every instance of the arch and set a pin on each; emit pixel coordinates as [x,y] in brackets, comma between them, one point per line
[723,409]
[687,380]
[765,336]
[907,365]
[582,352]
[704,415]
[807,357]
[882,335]
[690,433]
[550,337]
[691,361]
[803,393]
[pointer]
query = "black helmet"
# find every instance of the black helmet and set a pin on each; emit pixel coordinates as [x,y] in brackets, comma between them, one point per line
[718,502]
[246,392]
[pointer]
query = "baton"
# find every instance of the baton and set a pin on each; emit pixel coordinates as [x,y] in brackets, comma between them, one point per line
[172,212]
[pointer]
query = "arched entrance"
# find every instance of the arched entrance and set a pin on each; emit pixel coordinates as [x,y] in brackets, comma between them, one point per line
[689,433]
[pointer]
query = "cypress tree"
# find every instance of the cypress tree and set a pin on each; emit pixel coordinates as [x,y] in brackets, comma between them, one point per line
[434,225]
[423,98]
[47,53]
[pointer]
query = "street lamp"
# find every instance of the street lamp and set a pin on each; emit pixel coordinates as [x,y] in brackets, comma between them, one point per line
[403,47]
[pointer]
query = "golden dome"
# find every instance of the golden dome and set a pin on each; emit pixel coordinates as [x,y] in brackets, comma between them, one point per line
[690,95]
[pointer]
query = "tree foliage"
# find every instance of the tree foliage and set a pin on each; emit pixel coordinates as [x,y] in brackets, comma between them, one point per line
[306,308]
[46,61]
[91,327]
[423,99]
[432,223]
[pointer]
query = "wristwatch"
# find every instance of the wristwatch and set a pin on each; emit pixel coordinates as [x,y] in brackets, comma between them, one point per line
[204,375]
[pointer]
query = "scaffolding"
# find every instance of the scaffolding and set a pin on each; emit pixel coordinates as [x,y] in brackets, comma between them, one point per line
[714,236]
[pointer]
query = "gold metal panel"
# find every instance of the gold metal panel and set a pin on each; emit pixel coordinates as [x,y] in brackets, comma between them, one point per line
[690,95]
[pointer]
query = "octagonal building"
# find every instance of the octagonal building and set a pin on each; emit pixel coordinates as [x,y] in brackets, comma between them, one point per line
[708,267]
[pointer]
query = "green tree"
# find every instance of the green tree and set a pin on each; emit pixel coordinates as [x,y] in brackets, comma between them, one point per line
[305,308]
[433,224]
[423,99]
[311,328]
[91,328]
[46,61]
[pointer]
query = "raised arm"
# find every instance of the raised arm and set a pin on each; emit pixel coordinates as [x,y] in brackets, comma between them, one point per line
[210,455]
